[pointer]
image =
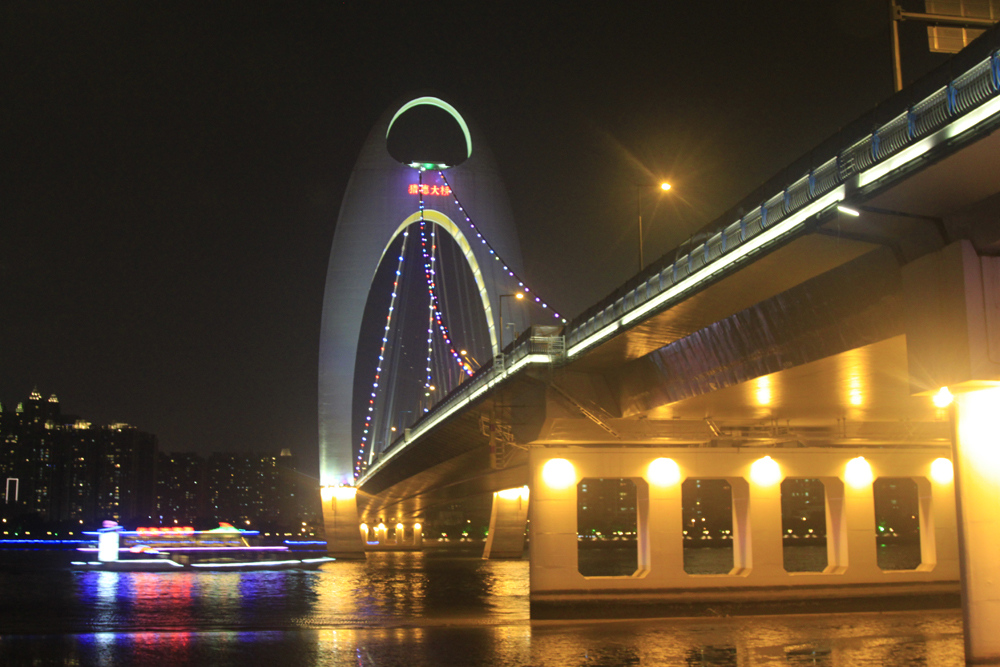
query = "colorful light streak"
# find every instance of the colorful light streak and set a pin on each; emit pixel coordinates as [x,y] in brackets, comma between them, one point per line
[131,561]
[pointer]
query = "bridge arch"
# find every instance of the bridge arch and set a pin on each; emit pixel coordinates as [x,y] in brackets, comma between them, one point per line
[379,196]
[448,225]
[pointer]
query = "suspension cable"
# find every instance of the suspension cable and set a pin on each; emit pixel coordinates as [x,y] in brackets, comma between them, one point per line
[520,283]
[378,367]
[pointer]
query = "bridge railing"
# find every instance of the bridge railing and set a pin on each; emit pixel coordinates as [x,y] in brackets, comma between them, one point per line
[538,344]
[964,93]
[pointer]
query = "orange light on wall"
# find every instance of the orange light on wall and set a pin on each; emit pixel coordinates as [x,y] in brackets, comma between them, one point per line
[858,473]
[517,493]
[558,473]
[942,471]
[765,471]
[943,398]
[762,392]
[663,472]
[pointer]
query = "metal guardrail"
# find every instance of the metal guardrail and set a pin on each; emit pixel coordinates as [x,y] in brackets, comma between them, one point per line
[966,92]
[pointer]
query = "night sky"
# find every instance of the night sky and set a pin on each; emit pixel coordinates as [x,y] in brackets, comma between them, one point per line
[172,172]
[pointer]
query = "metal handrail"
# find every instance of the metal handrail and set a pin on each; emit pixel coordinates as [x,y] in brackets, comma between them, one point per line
[967,91]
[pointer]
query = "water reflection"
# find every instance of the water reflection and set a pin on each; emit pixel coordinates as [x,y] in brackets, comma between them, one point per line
[413,609]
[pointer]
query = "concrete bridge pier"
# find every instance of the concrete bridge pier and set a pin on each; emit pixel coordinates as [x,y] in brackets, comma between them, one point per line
[953,341]
[342,522]
[508,523]
[977,478]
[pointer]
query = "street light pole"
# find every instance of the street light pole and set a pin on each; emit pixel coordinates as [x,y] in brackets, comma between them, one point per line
[516,295]
[638,211]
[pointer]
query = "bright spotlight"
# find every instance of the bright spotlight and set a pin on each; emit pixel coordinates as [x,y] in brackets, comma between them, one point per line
[558,473]
[513,494]
[765,471]
[858,473]
[344,492]
[943,398]
[664,472]
[942,471]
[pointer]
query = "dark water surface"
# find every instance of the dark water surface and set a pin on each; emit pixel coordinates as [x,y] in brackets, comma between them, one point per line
[405,609]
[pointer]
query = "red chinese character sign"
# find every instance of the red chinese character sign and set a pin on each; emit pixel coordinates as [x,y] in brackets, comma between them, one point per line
[428,190]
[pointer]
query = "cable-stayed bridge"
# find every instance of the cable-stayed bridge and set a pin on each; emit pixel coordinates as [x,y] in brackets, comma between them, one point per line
[809,338]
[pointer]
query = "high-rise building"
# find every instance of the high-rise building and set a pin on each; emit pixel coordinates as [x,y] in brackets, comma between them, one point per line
[59,468]
[181,489]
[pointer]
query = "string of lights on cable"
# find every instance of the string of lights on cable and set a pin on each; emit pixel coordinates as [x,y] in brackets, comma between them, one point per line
[381,358]
[482,239]
[430,273]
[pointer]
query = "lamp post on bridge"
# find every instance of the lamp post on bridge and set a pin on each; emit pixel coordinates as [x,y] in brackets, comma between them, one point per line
[664,186]
[516,295]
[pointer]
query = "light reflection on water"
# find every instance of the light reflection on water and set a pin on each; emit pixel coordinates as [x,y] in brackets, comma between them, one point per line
[411,609]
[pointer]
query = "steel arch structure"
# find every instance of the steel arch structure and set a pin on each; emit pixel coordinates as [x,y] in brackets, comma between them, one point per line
[379,203]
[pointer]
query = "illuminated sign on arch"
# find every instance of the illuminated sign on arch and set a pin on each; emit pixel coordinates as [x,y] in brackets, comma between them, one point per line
[428,190]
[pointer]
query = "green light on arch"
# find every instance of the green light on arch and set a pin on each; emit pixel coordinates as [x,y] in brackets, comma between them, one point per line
[440,104]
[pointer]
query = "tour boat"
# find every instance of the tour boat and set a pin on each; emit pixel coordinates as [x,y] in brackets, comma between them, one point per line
[174,548]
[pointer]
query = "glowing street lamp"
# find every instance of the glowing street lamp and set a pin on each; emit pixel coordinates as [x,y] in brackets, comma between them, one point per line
[664,186]
[469,359]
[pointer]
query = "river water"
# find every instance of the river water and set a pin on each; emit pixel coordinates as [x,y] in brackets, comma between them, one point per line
[432,608]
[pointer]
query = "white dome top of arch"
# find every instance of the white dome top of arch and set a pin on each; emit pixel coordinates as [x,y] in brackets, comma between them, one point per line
[440,104]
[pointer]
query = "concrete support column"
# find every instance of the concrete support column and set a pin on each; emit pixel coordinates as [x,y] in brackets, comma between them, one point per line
[508,521]
[836,526]
[767,557]
[977,487]
[665,523]
[742,535]
[341,521]
[859,515]
[553,551]
[418,536]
